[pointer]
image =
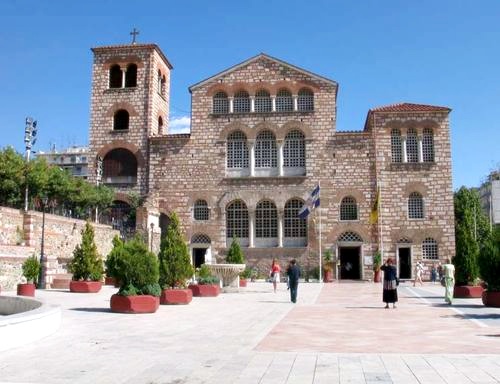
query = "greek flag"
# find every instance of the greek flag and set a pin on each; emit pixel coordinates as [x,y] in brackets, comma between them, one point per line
[311,203]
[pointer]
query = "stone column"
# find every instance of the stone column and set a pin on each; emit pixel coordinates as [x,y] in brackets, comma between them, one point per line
[420,150]
[231,104]
[295,103]
[403,146]
[252,104]
[280,227]
[280,157]
[251,143]
[273,103]
[124,73]
[251,226]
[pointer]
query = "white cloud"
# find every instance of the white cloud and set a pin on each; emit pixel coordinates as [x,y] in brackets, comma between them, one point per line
[180,124]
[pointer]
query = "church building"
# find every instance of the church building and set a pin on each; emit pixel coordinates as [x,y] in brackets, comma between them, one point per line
[263,137]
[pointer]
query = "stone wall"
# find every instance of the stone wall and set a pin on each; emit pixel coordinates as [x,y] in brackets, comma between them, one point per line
[11,226]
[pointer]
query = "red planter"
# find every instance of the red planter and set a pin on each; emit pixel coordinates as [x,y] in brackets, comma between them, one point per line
[243,283]
[376,276]
[27,289]
[491,299]
[85,286]
[110,281]
[328,276]
[176,296]
[205,290]
[134,304]
[468,291]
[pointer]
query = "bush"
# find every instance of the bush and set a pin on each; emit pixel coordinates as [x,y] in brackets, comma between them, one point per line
[235,254]
[205,276]
[174,259]
[31,269]
[113,256]
[489,262]
[86,263]
[247,273]
[377,261]
[134,267]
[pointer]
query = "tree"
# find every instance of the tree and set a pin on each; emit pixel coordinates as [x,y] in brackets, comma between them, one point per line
[489,261]
[235,254]
[471,230]
[175,263]
[86,263]
[12,178]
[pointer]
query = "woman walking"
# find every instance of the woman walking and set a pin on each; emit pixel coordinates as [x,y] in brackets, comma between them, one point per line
[449,279]
[390,292]
[275,274]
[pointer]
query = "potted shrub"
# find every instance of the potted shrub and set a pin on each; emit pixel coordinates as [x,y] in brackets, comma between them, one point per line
[235,256]
[327,266]
[86,265]
[136,270]
[31,271]
[377,263]
[110,262]
[207,284]
[244,276]
[175,266]
[489,265]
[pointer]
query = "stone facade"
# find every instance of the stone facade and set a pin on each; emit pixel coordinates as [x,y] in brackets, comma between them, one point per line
[176,170]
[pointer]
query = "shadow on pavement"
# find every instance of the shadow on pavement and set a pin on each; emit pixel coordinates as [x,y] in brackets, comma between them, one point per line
[91,309]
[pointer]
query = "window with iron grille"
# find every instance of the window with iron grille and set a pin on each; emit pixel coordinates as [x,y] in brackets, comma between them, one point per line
[430,249]
[266,219]
[266,153]
[120,120]
[220,103]
[412,146]
[396,147]
[294,150]
[348,209]
[428,146]
[415,206]
[241,102]
[237,151]
[305,100]
[263,101]
[350,237]
[200,238]
[201,211]
[237,220]
[284,101]
[294,226]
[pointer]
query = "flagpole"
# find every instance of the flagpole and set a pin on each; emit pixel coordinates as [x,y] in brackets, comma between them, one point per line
[320,256]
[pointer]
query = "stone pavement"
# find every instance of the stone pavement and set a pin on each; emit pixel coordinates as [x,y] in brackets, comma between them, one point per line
[336,333]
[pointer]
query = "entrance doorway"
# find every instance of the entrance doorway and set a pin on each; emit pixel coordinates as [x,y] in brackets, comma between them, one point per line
[350,267]
[199,256]
[404,255]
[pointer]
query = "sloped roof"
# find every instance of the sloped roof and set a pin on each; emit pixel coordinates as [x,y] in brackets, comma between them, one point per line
[134,46]
[256,58]
[410,107]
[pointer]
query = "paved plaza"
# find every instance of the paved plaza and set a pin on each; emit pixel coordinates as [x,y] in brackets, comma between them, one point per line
[336,333]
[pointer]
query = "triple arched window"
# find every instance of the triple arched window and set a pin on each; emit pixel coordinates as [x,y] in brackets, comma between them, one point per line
[120,77]
[412,148]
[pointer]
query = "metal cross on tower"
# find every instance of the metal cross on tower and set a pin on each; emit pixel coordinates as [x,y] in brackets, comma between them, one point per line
[134,34]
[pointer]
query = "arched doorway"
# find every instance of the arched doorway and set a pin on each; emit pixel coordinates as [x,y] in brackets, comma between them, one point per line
[201,252]
[349,251]
[120,216]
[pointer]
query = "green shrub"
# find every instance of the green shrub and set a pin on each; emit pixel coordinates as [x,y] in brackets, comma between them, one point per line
[205,277]
[247,273]
[489,262]
[116,251]
[377,261]
[174,259]
[31,269]
[235,254]
[135,268]
[86,263]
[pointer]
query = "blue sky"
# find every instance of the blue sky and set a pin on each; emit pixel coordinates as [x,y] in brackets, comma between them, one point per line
[381,52]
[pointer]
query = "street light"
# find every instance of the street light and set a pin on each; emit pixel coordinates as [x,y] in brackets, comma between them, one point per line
[152,225]
[29,140]
[43,261]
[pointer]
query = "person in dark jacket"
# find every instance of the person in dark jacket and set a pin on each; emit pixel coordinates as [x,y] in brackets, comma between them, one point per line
[293,273]
[390,292]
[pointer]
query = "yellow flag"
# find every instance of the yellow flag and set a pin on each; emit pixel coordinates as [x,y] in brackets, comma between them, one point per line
[375,208]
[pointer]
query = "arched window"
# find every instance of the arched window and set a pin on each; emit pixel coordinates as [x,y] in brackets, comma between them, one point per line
[305,100]
[120,120]
[396,148]
[237,221]
[237,151]
[131,76]
[412,146]
[220,103]
[263,101]
[158,83]
[266,220]
[295,228]
[115,76]
[120,167]
[241,102]
[294,150]
[350,237]
[163,86]
[428,146]
[200,238]
[430,249]
[160,125]
[284,101]
[348,208]
[266,153]
[201,211]
[415,206]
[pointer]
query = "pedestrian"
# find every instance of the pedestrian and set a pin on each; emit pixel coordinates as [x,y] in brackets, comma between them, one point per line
[434,274]
[449,278]
[275,274]
[390,290]
[419,269]
[293,273]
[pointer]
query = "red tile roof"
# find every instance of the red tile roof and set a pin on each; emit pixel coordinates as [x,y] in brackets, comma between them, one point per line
[409,107]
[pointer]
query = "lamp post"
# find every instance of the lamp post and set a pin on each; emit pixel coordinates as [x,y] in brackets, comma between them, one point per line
[43,261]
[29,140]
[152,225]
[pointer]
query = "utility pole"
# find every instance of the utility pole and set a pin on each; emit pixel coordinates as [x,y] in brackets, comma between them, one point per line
[30,132]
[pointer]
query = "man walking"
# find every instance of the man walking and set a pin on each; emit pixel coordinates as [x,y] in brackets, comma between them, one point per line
[293,273]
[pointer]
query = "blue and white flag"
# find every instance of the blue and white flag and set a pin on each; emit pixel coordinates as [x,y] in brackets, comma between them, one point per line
[311,203]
